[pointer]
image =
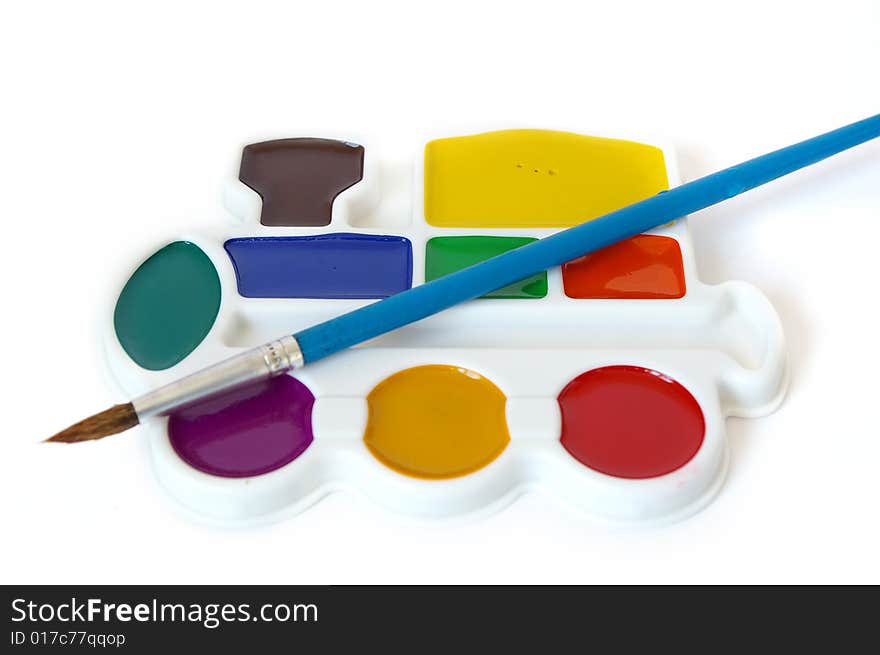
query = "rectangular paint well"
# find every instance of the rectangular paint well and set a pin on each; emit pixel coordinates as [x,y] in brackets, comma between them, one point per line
[647,266]
[535,178]
[322,266]
[445,255]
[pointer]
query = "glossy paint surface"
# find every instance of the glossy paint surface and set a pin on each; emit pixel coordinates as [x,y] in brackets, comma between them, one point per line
[246,432]
[645,266]
[436,421]
[168,306]
[336,265]
[298,179]
[630,422]
[535,178]
[445,255]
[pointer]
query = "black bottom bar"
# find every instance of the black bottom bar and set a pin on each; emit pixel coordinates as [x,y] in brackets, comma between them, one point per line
[454,619]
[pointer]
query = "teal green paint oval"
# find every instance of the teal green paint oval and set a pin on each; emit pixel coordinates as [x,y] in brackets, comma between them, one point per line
[168,306]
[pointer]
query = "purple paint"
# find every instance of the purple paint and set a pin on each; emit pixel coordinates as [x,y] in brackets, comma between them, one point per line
[246,432]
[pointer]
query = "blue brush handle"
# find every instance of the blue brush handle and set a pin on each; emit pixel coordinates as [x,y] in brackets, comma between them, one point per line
[419,302]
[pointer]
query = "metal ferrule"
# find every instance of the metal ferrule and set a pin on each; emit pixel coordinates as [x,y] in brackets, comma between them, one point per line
[251,366]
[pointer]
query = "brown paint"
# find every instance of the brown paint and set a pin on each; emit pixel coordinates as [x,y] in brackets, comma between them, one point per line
[298,179]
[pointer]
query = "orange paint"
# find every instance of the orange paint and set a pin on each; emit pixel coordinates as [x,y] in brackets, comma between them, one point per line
[645,266]
[436,422]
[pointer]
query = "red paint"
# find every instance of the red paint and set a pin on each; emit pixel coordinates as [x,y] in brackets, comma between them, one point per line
[630,422]
[645,266]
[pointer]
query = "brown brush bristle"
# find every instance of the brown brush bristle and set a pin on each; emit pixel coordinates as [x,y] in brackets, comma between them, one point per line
[118,418]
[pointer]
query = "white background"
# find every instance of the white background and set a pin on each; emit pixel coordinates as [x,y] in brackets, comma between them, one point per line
[119,125]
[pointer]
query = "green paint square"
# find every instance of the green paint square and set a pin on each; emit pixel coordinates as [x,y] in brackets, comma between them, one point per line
[445,255]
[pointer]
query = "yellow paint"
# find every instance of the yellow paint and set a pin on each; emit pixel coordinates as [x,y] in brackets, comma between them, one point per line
[535,178]
[436,421]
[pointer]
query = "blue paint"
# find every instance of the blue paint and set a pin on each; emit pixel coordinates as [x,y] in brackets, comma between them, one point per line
[322,266]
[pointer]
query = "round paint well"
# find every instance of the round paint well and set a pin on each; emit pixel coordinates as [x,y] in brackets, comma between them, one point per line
[436,421]
[168,306]
[247,432]
[630,422]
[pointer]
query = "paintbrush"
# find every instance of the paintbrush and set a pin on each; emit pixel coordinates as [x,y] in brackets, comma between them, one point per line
[319,341]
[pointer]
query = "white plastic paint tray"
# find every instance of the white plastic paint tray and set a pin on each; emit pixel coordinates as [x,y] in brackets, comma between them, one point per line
[722,343]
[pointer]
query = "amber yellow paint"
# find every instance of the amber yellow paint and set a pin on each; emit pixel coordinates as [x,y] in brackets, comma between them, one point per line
[535,178]
[436,421]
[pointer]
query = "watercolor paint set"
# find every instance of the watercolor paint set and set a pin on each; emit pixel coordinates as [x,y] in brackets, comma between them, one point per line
[605,381]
